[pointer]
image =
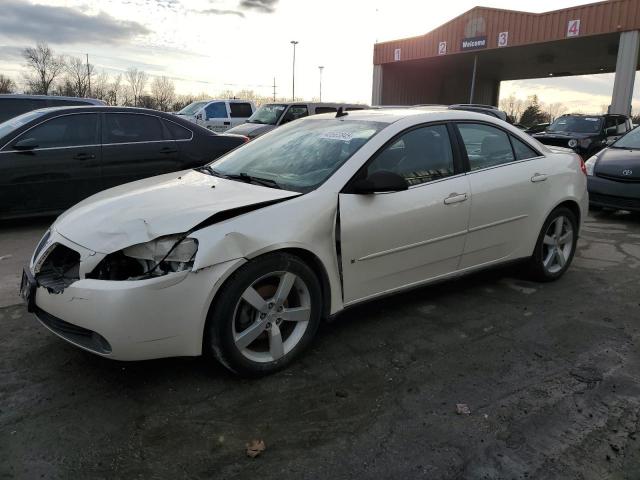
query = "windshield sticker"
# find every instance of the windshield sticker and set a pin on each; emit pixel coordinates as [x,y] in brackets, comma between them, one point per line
[344,136]
[592,119]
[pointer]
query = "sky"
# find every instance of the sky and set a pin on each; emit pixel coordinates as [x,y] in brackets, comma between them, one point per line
[208,46]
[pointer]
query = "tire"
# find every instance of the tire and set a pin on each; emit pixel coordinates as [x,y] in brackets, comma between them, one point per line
[551,259]
[252,328]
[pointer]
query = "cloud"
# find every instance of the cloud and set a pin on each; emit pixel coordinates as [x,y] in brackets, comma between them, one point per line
[218,11]
[34,22]
[264,6]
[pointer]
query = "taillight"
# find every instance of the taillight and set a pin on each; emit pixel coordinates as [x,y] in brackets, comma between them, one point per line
[583,167]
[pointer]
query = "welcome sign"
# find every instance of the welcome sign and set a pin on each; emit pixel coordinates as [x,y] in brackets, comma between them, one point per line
[474,43]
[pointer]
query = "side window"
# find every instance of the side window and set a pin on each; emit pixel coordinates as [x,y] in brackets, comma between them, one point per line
[622,126]
[522,150]
[295,112]
[486,146]
[240,110]
[216,110]
[12,107]
[65,131]
[420,155]
[130,128]
[320,110]
[178,132]
[610,122]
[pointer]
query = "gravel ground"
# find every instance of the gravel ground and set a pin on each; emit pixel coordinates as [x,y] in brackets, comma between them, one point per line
[550,373]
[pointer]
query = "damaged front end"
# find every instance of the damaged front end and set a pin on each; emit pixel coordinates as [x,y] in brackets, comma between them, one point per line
[164,255]
[57,268]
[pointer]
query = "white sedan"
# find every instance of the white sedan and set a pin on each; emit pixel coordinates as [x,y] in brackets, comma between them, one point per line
[241,259]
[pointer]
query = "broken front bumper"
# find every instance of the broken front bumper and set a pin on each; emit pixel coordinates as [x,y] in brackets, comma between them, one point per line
[134,319]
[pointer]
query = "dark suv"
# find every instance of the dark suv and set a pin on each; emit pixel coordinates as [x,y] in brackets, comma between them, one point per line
[586,134]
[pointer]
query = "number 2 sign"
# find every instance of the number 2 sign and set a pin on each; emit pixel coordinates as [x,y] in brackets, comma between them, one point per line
[442,48]
[573,28]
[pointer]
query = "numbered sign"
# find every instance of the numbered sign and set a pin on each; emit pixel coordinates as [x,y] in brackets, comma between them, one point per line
[396,55]
[503,39]
[573,28]
[442,48]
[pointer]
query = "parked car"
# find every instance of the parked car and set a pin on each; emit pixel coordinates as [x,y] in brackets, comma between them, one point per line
[12,105]
[486,109]
[241,259]
[586,134]
[614,174]
[272,115]
[537,128]
[55,157]
[218,115]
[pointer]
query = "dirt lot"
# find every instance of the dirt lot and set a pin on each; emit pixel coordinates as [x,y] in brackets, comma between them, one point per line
[551,375]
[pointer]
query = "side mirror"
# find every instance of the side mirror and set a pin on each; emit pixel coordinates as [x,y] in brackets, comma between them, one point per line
[198,116]
[611,131]
[380,181]
[25,144]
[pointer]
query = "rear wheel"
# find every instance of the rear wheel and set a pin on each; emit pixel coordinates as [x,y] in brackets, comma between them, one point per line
[265,315]
[556,245]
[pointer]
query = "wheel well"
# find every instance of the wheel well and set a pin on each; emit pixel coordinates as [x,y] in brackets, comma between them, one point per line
[573,206]
[318,268]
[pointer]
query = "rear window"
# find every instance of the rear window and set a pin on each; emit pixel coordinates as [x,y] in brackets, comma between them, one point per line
[178,132]
[320,110]
[240,110]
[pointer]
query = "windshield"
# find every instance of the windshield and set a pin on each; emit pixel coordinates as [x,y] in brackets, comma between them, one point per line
[10,125]
[192,108]
[301,155]
[268,114]
[576,124]
[630,140]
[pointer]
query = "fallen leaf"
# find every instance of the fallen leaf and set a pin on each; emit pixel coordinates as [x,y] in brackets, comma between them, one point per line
[462,409]
[255,448]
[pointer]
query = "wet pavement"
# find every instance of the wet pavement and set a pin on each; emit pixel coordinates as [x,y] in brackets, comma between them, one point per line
[550,373]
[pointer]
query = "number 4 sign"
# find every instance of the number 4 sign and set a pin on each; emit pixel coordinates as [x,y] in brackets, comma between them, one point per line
[573,28]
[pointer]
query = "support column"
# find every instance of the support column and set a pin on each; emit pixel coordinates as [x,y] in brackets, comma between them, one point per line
[376,94]
[626,65]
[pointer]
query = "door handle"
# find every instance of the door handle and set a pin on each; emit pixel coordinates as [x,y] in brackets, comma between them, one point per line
[168,150]
[227,123]
[84,156]
[455,198]
[538,177]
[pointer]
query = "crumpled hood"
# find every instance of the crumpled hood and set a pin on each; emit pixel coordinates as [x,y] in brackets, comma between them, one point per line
[150,208]
[251,130]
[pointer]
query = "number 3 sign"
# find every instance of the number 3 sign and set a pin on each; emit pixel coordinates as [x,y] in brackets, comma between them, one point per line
[573,28]
[503,39]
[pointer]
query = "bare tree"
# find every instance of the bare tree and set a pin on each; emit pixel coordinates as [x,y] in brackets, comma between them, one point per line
[114,92]
[6,84]
[79,74]
[44,67]
[163,92]
[100,86]
[137,80]
[555,110]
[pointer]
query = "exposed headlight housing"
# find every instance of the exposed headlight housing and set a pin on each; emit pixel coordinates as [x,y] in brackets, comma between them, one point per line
[573,143]
[168,254]
[590,164]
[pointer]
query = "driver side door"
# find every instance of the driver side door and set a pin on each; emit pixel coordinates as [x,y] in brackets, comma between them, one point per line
[398,239]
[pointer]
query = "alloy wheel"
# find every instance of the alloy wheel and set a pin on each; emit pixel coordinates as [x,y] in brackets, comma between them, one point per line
[557,245]
[271,316]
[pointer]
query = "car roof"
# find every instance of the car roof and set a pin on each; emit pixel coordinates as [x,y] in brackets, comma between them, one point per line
[422,114]
[20,96]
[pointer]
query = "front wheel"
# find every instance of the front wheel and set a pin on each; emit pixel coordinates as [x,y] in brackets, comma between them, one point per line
[556,245]
[265,315]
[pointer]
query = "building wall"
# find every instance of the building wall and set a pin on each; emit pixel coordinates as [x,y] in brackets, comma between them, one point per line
[523,27]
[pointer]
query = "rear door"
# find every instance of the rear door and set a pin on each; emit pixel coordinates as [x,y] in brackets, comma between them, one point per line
[293,113]
[134,146]
[509,188]
[61,168]
[239,112]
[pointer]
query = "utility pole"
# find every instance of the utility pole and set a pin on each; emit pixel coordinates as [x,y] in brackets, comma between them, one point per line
[293,83]
[274,89]
[320,68]
[88,77]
